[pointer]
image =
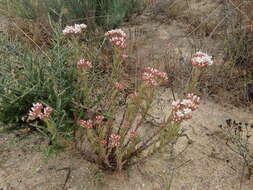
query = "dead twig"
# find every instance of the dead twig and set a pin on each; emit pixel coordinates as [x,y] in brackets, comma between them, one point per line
[68,169]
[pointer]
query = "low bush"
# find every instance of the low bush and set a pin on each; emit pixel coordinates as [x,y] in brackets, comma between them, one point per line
[28,76]
[80,89]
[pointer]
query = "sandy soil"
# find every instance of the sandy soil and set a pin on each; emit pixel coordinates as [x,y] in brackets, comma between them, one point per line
[206,163]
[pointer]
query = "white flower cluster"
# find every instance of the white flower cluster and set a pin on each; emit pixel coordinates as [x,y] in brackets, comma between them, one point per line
[37,111]
[183,109]
[115,32]
[201,59]
[75,29]
[117,37]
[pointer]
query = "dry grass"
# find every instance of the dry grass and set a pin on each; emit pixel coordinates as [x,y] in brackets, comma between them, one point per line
[230,24]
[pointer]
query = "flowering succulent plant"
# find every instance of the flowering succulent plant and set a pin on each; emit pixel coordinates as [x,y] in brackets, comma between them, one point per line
[39,111]
[199,61]
[115,133]
[120,144]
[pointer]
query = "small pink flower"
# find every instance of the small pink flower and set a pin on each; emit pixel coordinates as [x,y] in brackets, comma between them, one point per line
[151,70]
[195,99]
[115,140]
[157,73]
[175,105]
[35,110]
[147,76]
[46,114]
[124,57]
[133,134]
[126,124]
[87,124]
[153,77]
[99,119]
[162,75]
[84,63]
[118,42]
[119,86]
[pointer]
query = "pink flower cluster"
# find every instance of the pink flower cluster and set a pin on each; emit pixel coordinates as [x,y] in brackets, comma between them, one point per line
[117,38]
[37,111]
[75,29]
[115,140]
[154,77]
[201,59]
[88,124]
[119,86]
[99,119]
[84,63]
[183,108]
[133,134]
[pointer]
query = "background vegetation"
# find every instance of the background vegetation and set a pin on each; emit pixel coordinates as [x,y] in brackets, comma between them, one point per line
[38,18]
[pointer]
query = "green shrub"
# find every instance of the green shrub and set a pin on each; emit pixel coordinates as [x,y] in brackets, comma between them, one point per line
[30,76]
